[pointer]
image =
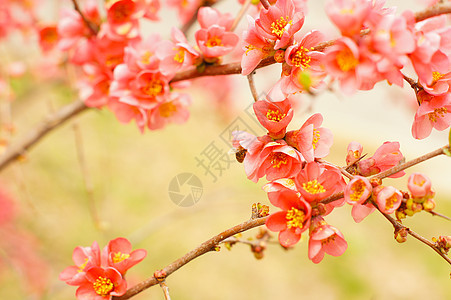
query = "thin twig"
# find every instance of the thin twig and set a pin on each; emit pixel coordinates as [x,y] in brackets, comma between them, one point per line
[92,27]
[438,215]
[398,226]
[250,79]
[240,14]
[53,121]
[205,247]
[433,11]
[165,289]
[86,178]
[392,171]
[265,4]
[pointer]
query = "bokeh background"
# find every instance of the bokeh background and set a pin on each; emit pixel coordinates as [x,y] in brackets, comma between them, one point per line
[95,179]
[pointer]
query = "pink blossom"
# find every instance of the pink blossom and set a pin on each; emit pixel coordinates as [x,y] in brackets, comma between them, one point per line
[386,156]
[71,29]
[354,153]
[48,37]
[292,221]
[120,255]
[358,190]
[348,15]
[311,140]
[432,48]
[101,284]
[256,48]
[351,65]
[279,23]
[361,211]
[441,83]
[185,8]
[173,109]
[274,116]
[215,41]
[388,199]
[274,189]
[122,20]
[325,238]
[315,182]
[84,258]
[434,112]
[175,55]
[419,185]
[275,159]
[141,54]
[208,16]
[125,113]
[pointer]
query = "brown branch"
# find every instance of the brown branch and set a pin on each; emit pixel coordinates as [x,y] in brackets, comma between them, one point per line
[433,11]
[398,226]
[392,171]
[165,289]
[92,27]
[240,14]
[205,247]
[53,121]
[438,215]
[250,78]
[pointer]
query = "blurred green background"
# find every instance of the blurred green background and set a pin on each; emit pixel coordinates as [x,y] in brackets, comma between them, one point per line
[128,174]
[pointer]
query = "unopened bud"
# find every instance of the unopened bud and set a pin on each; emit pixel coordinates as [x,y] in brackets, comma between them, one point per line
[279,56]
[429,204]
[401,235]
[160,275]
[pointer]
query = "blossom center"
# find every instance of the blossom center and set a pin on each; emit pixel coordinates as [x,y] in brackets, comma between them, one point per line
[118,257]
[122,13]
[313,187]
[328,240]
[316,137]
[437,113]
[145,58]
[180,56]
[167,109]
[436,76]
[295,218]
[346,60]
[301,59]
[275,115]
[83,266]
[214,41]
[153,88]
[278,159]
[390,201]
[103,286]
[278,26]
[357,190]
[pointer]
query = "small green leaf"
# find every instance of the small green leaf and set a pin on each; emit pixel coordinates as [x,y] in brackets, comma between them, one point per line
[447,152]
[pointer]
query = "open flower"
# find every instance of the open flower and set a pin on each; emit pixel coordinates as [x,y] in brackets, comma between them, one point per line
[274,116]
[102,283]
[316,182]
[120,255]
[358,190]
[292,221]
[419,185]
[386,156]
[325,238]
[84,259]
[215,41]
[388,199]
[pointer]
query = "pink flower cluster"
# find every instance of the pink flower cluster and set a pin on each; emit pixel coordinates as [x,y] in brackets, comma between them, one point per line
[272,34]
[298,182]
[377,44]
[100,275]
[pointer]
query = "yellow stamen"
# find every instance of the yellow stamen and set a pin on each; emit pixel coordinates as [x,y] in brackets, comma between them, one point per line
[437,113]
[295,218]
[278,159]
[275,115]
[346,60]
[167,109]
[390,202]
[214,41]
[83,266]
[316,138]
[103,286]
[313,187]
[118,257]
[153,88]
[180,55]
[358,188]
[301,59]
[145,58]
[278,26]
[436,76]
